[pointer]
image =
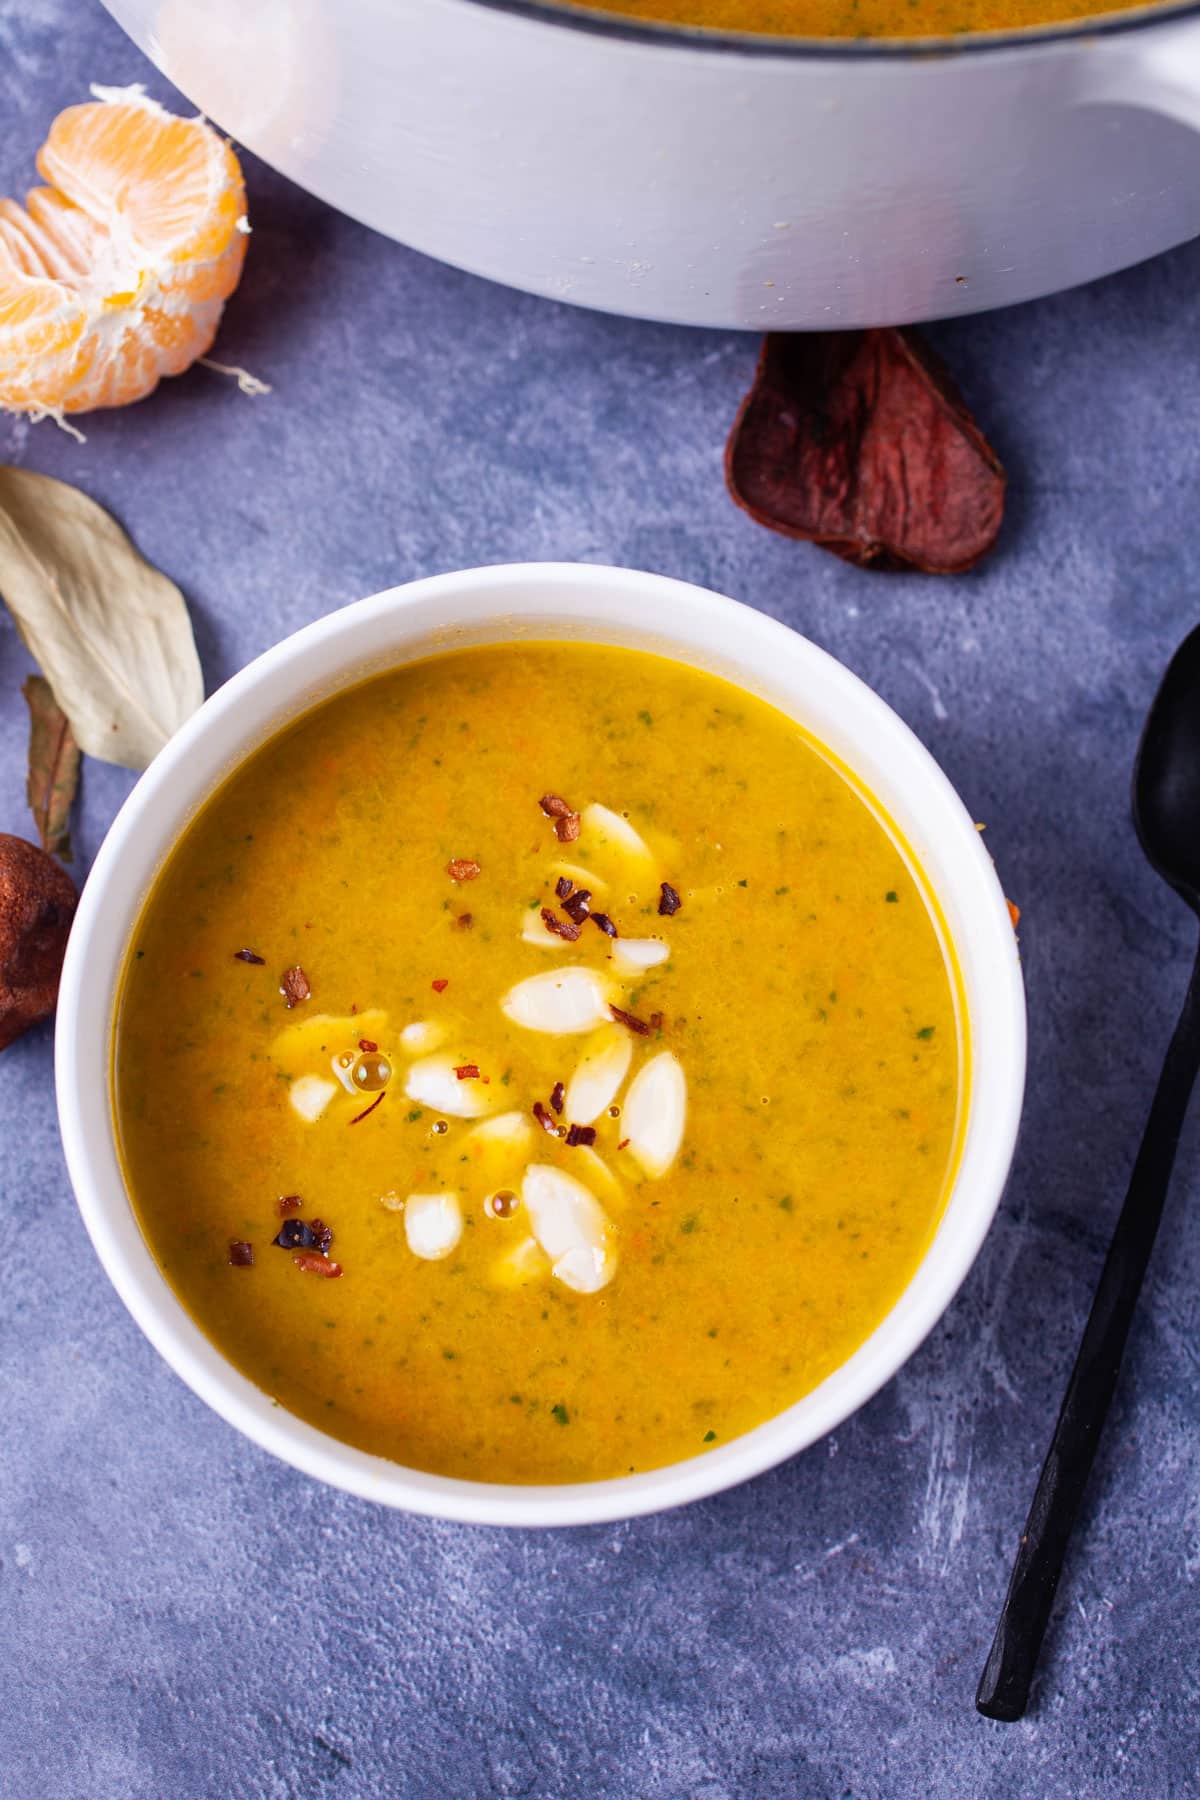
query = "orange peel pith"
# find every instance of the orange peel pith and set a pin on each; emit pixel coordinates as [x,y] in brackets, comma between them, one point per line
[116,273]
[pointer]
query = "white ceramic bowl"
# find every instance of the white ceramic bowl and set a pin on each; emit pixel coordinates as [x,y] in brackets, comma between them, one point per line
[541,601]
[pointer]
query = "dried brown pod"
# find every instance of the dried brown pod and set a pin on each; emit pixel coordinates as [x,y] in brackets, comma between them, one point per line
[859,441]
[37,905]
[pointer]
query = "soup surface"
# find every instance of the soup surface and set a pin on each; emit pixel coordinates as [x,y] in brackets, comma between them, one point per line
[856,18]
[597,1202]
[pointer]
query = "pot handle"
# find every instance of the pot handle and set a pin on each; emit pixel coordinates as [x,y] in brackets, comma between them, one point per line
[1156,70]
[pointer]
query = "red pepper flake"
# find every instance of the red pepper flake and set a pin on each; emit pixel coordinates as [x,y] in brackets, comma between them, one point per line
[464,921]
[322,1236]
[624,1144]
[1014,913]
[562,888]
[568,829]
[311,1262]
[555,807]
[626,1018]
[463,868]
[557,1096]
[440,985]
[468,1072]
[288,1203]
[656,1020]
[241,1254]
[359,1117]
[367,1046]
[581,1134]
[294,986]
[578,905]
[605,923]
[543,1118]
[669,902]
[250,956]
[563,928]
[860,442]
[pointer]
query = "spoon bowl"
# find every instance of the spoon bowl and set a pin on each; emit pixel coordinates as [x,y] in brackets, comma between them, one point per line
[1166,779]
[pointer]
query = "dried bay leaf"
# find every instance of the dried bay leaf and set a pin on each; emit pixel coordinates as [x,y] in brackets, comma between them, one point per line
[110,632]
[53,767]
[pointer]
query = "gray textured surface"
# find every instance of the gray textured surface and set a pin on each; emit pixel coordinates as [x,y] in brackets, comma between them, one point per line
[185,1618]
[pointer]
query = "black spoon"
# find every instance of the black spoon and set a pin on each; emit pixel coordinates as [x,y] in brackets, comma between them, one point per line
[1166,815]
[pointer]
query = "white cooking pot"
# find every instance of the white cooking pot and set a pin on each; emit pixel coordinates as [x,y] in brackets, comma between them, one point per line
[712,180]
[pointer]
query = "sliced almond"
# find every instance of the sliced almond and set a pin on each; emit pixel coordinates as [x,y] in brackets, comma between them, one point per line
[432,1224]
[497,1148]
[422,1036]
[432,1080]
[572,1228]
[633,956]
[392,1201]
[310,1095]
[595,1173]
[560,1001]
[524,1263]
[308,1043]
[654,1113]
[605,831]
[580,877]
[601,1070]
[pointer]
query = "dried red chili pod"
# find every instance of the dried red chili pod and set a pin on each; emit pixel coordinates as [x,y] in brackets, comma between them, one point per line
[859,441]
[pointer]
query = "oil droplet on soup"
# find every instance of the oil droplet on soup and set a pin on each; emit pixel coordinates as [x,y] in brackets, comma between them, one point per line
[522,1294]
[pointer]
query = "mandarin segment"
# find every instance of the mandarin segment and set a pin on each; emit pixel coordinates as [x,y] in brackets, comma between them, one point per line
[117,273]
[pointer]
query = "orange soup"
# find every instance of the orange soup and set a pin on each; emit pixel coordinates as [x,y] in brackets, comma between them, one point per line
[539,1063]
[852,18]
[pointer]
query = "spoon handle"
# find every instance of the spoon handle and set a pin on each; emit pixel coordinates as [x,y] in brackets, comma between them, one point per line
[1004,1686]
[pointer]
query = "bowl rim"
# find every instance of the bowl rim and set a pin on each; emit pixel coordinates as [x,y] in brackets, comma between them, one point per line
[699,624]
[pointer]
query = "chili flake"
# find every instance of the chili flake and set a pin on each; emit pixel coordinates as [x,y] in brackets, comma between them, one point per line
[359,1117]
[322,1236]
[440,985]
[605,923]
[555,807]
[627,1018]
[248,956]
[469,1072]
[558,1095]
[241,1254]
[562,888]
[581,1134]
[310,1262]
[294,986]
[568,829]
[464,921]
[543,1118]
[463,868]
[294,1234]
[577,906]
[367,1046]
[669,902]
[288,1203]
[563,928]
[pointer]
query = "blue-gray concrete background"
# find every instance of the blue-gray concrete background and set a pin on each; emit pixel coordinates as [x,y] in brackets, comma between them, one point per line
[183,1617]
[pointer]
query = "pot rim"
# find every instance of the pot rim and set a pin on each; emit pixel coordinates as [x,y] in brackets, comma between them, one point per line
[662,35]
[499,604]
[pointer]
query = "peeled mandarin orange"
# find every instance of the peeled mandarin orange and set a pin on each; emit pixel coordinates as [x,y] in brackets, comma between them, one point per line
[116,273]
